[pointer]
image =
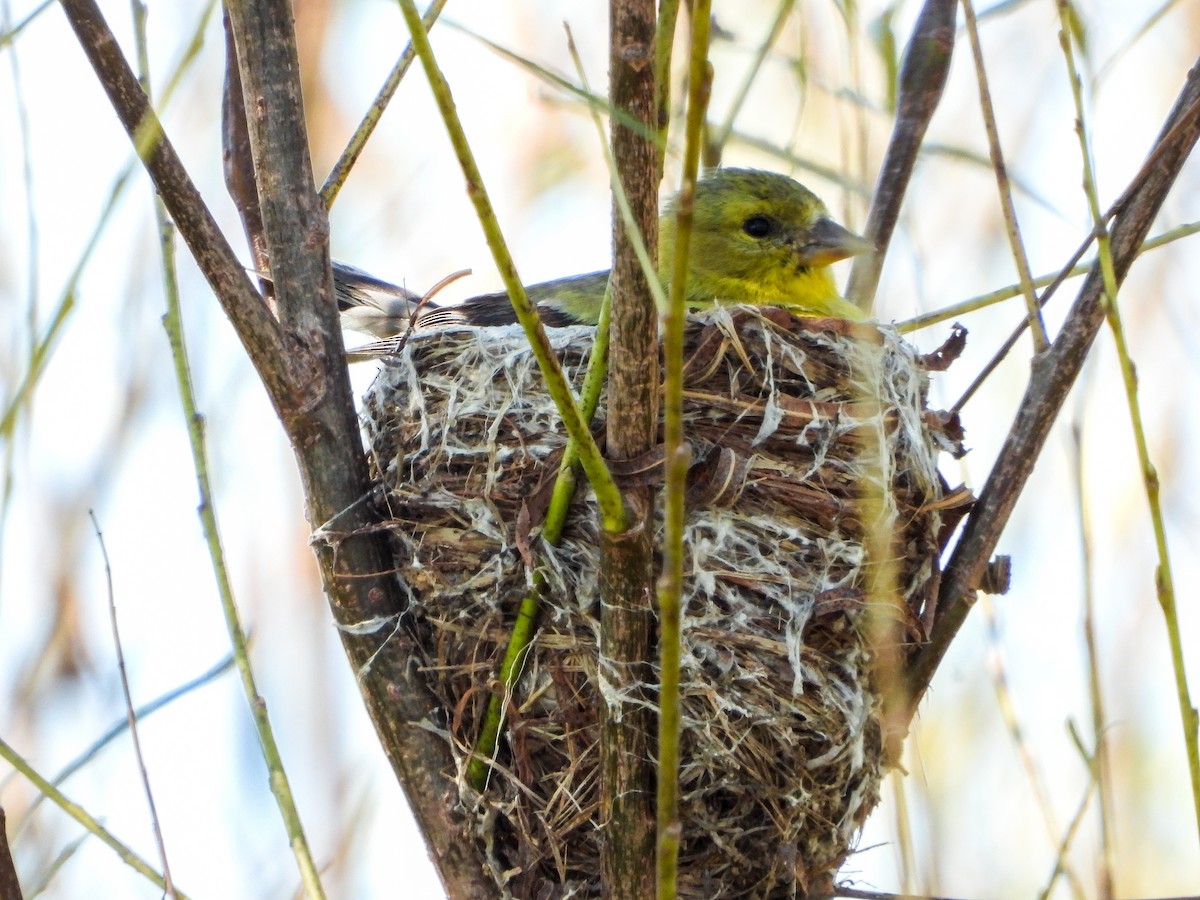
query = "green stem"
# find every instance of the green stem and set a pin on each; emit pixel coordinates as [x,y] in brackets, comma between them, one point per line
[564,486]
[280,787]
[1014,290]
[1164,579]
[608,496]
[358,141]
[80,815]
[488,741]
[670,588]
[664,43]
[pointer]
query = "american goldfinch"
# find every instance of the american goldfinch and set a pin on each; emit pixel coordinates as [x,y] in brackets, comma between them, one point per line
[757,238]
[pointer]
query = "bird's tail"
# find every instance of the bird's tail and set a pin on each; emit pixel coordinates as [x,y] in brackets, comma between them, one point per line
[384,310]
[371,305]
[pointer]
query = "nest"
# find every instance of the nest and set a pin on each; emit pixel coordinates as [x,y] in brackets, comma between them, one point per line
[809,439]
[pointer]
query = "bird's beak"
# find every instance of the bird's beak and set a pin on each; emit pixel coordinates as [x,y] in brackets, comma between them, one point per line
[826,242]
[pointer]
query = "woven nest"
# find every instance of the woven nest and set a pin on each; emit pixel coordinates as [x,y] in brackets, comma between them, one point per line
[801,430]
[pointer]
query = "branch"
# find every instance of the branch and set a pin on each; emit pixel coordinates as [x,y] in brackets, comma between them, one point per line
[300,360]
[627,559]
[677,456]
[1054,373]
[257,330]
[239,163]
[353,555]
[10,886]
[295,227]
[922,77]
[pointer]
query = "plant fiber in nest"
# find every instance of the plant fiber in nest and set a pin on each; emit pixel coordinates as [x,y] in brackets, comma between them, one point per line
[801,430]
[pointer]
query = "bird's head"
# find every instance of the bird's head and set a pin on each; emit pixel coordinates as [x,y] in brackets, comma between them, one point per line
[763,238]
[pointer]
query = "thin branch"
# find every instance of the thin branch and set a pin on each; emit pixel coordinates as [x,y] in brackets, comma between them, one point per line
[1012,229]
[307,380]
[720,136]
[564,490]
[608,496]
[922,77]
[664,44]
[257,330]
[81,815]
[1054,373]
[293,224]
[118,728]
[358,141]
[130,715]
[678,457]
[574,92]
[11,34]
[999,295]
[1164,578]
[1068,839]
[1098,759]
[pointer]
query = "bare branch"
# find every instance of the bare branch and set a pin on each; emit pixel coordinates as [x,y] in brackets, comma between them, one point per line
[10,886]
[239,163]
[627,560]
[1054,373]
[301,361]
[255,327]
[922,78]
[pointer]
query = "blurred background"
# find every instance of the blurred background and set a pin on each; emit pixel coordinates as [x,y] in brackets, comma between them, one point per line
[996,781]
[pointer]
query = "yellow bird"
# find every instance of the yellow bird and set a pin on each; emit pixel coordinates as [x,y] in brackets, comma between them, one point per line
[757,237]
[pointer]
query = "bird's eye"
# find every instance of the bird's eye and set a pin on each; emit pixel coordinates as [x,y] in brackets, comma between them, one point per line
[758,226]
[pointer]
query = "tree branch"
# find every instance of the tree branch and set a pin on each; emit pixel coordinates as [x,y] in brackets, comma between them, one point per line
[258,331]
[354,557]
[923,75]
[239,162]
[301,361]
[1054,373]
[627,639]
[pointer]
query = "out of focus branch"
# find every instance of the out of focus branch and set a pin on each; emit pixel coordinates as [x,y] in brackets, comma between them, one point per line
[301,361]
[239,163]
[258,331]
[1054,374]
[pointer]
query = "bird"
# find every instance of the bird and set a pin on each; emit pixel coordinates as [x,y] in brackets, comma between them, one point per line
[757,237]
